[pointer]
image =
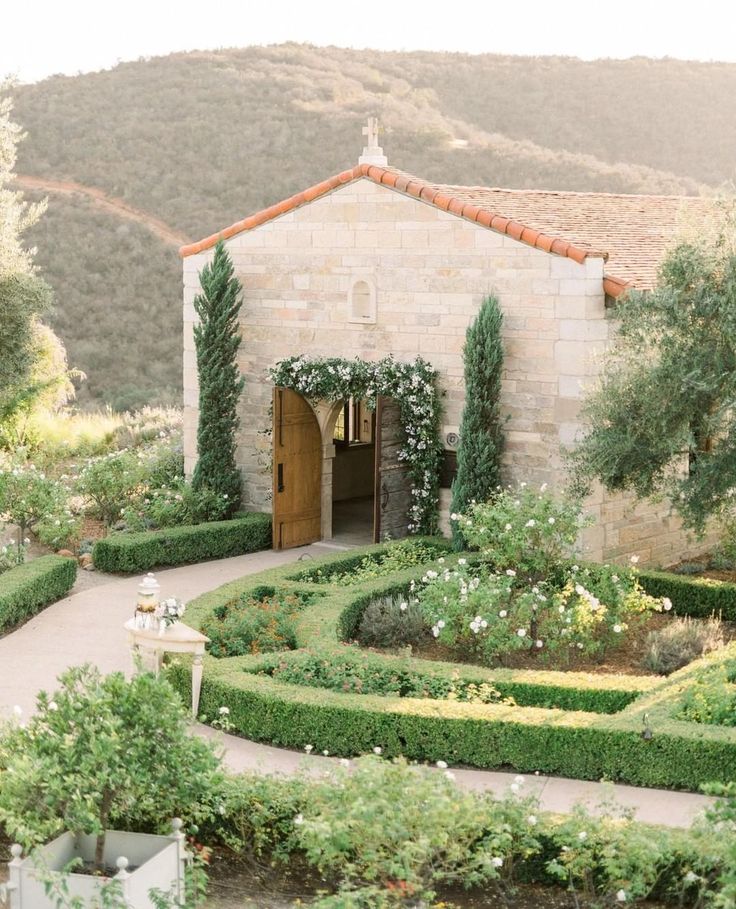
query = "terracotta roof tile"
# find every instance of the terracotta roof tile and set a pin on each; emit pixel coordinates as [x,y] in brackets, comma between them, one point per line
[630,232]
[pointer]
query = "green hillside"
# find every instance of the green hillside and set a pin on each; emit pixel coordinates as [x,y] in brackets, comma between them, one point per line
[201,139]
[118,303]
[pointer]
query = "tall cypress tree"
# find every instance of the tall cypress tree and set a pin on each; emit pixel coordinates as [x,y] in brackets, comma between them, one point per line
[481,427]
[217,339]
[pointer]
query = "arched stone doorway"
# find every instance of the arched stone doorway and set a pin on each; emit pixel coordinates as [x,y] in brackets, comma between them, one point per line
[336,472]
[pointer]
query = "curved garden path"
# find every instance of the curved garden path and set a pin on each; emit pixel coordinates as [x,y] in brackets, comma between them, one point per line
[87,627]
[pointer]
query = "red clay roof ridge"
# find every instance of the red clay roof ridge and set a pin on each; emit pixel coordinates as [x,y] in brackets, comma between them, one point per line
[443,196]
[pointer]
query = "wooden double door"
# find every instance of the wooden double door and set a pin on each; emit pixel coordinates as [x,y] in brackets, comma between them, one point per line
[298,454]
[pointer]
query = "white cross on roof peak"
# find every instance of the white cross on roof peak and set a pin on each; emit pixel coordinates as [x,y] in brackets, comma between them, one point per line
[372,151]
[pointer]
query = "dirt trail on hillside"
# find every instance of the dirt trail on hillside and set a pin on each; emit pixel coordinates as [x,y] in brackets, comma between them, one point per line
[107,203]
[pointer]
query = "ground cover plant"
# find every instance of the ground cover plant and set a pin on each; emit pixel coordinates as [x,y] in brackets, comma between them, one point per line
[131,552]
[262,622]
[344,699]
[353,670]
[711,698]
[382,563]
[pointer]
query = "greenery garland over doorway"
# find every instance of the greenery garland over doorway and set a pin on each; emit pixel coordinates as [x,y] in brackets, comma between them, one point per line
[414,388]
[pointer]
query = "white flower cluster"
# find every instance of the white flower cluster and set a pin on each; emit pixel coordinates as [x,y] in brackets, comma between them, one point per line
[170,610]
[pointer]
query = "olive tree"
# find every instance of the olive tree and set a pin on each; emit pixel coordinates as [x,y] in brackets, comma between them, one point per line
[662,420]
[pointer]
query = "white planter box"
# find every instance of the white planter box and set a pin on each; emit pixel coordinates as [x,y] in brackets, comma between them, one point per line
[153,862]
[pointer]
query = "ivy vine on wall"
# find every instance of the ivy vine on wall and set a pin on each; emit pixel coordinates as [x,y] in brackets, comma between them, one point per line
[414,388]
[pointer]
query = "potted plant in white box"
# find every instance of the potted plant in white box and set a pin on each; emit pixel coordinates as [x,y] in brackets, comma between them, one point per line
[104,752]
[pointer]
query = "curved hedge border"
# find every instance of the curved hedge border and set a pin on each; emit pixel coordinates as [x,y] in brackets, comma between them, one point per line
[26,589]
[574,742]
[131,552]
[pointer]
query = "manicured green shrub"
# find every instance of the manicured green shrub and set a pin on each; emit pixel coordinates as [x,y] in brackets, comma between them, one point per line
[528,739]
[573,724]
[131,552]
[697,597]
[25,590]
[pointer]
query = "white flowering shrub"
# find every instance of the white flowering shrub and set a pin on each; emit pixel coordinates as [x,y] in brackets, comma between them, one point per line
[29,498]
[172,505]
[109,483]
[524,529]
[521,593]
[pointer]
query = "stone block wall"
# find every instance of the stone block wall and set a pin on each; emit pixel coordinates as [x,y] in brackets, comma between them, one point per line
[430,271]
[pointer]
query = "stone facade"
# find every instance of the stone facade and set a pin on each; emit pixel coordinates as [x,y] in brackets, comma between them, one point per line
[430,271]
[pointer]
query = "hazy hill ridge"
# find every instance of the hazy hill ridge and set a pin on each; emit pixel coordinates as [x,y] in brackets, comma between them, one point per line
[197,141]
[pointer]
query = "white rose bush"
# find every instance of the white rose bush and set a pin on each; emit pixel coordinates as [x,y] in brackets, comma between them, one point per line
[522,593]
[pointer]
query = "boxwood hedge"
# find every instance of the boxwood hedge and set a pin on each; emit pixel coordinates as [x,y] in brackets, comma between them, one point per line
[131,552]
[573,724]
[26,589]
[694,596]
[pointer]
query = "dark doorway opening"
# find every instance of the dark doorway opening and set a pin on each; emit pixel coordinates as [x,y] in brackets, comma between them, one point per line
[353,474]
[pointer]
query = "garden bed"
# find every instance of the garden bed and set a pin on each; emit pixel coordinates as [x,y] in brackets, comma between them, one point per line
[237,883]
[578,724]
[628,658]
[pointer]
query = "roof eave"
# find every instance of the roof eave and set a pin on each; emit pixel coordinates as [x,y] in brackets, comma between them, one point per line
[409,186]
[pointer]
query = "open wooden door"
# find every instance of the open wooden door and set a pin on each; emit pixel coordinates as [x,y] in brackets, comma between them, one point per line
[393,487]
[297,471]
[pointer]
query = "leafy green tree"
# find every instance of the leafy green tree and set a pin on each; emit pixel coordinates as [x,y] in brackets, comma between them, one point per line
[662,419]
[481,427]
[217,339]
[32,360]
[104,751]
[27,497]
[16,215]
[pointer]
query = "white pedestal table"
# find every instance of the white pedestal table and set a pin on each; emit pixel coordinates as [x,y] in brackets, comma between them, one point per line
[176,638]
